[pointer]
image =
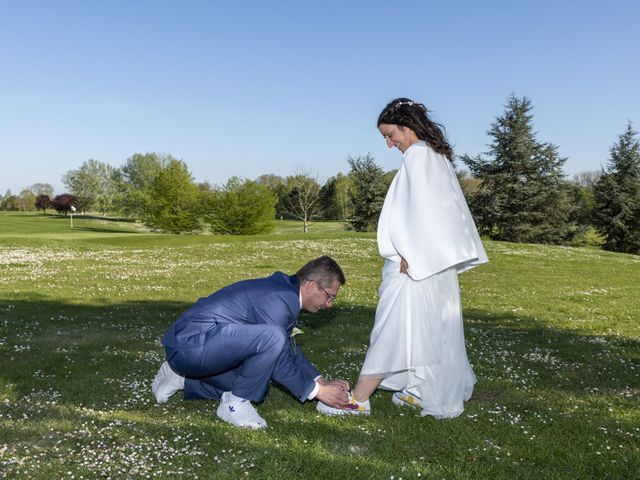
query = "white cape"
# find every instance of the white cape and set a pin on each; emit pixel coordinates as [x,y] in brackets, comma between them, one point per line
[425,218]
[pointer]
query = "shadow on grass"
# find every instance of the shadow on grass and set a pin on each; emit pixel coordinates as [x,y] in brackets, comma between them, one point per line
[530,331]
[79,220]
[104,230]
[44,338]
[61,339]
[96,363]
[55,216]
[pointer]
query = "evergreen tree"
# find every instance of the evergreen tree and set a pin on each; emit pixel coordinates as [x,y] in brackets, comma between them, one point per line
[241,208]
[174,200]
[327,193]
[522,195]
[368,189]
[617,196]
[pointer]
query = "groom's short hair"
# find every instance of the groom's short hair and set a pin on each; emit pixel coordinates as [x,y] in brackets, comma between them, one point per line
[322,270]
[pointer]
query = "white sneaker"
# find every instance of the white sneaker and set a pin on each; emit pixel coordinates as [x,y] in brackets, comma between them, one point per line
[405,399]
[239,412]
[166,383]
[352,408]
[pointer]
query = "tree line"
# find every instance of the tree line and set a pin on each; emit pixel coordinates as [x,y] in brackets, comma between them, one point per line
[517,192]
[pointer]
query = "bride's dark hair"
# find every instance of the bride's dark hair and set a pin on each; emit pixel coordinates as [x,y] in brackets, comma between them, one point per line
[413,115]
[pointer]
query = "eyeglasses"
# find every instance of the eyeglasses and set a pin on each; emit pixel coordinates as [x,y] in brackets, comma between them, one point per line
[330,298]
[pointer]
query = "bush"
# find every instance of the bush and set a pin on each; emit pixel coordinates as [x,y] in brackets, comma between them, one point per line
[241,208]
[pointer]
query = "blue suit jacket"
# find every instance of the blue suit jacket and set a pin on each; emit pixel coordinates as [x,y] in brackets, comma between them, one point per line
[273,300]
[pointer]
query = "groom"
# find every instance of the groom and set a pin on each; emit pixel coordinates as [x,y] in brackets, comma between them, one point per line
[229,345]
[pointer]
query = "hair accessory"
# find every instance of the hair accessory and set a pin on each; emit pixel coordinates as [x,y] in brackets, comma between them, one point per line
[399,104]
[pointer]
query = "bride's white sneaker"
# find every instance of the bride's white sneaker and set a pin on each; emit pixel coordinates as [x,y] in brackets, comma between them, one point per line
[166,383]
[239,412]
[405,399]
[352,408]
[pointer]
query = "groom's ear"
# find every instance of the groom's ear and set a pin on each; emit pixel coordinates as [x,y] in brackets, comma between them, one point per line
[305,287]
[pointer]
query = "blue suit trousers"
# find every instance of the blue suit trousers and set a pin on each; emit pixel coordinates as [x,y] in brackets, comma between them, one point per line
[242,359]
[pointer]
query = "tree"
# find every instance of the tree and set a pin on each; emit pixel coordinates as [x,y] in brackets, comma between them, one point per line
[26,201]
[585,183]
[303,199]
[242,207]
[41,189]
[278,186]
[174,204]
[334,198]
[522,195]
[43,202]
[587,179]
[9,202]
[342,197]
[133,182]
[468,184]
[369,186]
[92,184]
[327,194]
[63,203]
[617,196]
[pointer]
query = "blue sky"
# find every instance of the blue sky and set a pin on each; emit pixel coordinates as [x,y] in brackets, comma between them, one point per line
[251,87]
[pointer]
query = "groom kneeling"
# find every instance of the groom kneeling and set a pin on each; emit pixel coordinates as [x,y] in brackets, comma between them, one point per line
[229,345]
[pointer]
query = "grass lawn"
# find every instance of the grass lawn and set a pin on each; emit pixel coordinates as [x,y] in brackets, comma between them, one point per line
[553,334]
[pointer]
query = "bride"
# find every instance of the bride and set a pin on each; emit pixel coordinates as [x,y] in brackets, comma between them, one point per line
[427,236]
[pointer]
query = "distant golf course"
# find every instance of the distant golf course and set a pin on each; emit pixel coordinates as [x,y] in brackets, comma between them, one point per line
[553,334]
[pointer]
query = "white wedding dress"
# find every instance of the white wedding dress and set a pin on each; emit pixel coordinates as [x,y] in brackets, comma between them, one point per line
[417,341]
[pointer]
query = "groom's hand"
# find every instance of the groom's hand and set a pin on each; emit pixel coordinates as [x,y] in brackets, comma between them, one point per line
[343,383]
[334,393]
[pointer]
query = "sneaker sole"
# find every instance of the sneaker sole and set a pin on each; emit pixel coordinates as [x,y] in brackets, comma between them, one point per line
[339,412]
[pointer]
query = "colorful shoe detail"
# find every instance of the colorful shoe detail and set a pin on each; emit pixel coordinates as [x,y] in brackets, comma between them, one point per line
[405,399]
[354,405]
[352,408]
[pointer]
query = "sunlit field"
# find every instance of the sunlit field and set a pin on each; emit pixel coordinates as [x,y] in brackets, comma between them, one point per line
[553,334]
